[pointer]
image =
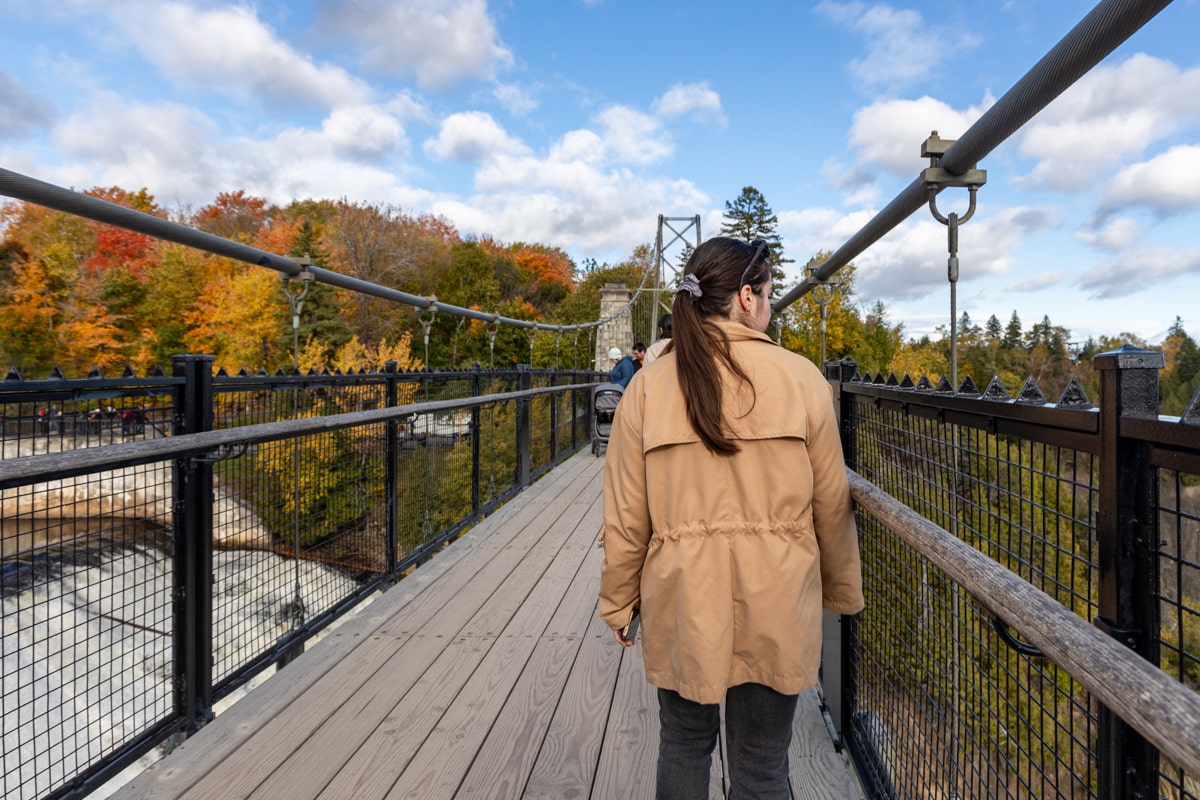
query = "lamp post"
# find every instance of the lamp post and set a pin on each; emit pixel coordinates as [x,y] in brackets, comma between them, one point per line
[822,292]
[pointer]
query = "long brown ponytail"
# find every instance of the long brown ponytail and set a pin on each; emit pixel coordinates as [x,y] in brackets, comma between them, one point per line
[716,271]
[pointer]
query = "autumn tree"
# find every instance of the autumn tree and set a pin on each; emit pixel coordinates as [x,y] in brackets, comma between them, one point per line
[843,328]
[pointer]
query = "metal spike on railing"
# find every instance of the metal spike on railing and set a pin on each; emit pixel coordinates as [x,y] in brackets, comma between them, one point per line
[967,388]
[944,386]
[158,372]
[879,379]
[312,371]
[996,390]
[907,382]
[14,374]
[243,373]
[94,373]
[867,377]
[1074,396]
[56,374]
[221,373]
[891,379]
[1191,414]
[1031,393]
[262,372]
[128,373]
[279,373]
[856,378]
[924,384]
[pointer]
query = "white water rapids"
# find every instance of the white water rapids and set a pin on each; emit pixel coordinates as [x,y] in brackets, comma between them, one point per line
[86,624]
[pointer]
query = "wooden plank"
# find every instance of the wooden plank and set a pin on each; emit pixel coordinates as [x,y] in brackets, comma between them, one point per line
[331,660]
[566,764]
[629,759]
[816,771]
[505,760]
[444,758]
[478,611]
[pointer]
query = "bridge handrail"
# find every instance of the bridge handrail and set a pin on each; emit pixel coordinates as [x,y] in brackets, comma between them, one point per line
[70,463]
[1160,708]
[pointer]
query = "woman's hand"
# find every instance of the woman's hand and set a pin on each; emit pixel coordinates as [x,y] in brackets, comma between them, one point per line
[620,641]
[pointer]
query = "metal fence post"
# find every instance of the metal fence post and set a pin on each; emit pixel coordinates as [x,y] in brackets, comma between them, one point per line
[391,477]
[553,419]
[1127,539]
[192,603]
[839,630]
[476,427]
[524,437]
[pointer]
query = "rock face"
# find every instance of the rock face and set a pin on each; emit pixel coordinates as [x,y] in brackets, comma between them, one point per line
[47,512]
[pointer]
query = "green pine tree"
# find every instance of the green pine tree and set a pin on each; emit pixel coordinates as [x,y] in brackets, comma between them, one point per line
[749,217]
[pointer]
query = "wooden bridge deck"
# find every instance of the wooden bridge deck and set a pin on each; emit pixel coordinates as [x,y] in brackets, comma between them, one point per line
[484,674]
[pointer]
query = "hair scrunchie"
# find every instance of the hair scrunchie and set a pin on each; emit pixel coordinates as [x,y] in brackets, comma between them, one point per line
[691,285]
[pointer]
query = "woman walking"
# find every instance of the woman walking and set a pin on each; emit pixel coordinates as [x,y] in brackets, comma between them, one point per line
[728,526]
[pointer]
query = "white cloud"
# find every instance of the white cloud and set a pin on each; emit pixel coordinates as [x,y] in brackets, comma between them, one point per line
[902,48]
[585,211]
[21,111]
[890,132]
[1130,273]
[695,99]
[515,99]
[1107,116]
[366,131]
[180,156]
[910,260]
[1166,184]
[1118,234]
[442,43]
[474,137]
[166,147]
[632,137]
[230,50]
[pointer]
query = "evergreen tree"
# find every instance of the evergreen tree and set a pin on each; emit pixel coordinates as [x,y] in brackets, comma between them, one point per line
[993,330]
[1014,335]
[322,315]
[749,217]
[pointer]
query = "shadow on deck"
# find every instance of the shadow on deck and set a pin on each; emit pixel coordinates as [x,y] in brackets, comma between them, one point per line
[484,674]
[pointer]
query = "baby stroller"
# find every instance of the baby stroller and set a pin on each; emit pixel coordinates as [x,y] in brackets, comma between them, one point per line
[604,403]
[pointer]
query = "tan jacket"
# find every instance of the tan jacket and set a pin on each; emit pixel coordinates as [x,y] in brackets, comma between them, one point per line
[730,558]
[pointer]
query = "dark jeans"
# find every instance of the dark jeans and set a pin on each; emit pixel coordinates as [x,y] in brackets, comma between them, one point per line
[758,729]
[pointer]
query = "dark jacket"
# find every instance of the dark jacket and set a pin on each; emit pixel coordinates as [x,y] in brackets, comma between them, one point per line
[622,371]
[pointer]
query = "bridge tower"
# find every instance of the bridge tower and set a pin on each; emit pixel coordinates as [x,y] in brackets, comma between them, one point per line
[618,331]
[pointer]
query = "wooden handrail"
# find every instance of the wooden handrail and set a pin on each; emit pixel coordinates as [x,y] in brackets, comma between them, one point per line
[1159,707]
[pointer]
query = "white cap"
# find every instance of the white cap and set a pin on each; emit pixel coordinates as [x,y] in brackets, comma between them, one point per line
[614,352]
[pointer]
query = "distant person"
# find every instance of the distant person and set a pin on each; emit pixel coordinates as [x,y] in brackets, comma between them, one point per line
[664,336]
[622,367]
[727,526]
[639,353]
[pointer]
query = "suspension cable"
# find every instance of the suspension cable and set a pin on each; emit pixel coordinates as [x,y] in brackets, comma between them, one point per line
[1105,27]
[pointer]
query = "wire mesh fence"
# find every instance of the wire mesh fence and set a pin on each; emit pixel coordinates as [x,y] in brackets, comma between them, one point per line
[97,632]
[950,709]
[946,701]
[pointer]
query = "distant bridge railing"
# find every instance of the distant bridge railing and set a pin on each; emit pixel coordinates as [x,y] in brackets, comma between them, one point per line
[146,576]
[973,671]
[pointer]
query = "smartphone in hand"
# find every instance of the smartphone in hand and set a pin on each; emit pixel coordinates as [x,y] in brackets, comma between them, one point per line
[629,632]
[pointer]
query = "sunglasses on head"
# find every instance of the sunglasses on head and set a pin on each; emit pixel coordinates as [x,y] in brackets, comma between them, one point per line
[760,246]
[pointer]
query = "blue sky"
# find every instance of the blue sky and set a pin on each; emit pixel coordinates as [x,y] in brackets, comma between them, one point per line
[577,123]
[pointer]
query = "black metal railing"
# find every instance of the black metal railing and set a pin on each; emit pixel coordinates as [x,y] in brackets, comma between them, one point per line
[1096,508]
[167,538]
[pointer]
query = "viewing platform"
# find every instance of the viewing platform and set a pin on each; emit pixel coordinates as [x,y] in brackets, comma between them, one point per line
[485,673]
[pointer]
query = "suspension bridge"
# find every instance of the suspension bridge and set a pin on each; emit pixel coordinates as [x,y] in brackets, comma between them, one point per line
[1031,568]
